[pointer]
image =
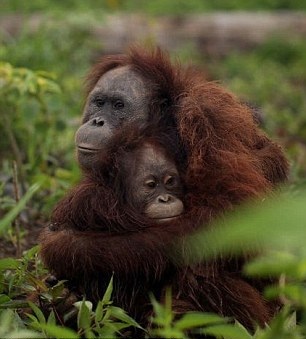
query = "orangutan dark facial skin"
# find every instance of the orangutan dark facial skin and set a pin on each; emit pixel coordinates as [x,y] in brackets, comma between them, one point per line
[154,184]
[119,98]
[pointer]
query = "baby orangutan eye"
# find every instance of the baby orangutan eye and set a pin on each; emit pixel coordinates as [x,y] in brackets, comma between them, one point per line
[150,183]
[170,181]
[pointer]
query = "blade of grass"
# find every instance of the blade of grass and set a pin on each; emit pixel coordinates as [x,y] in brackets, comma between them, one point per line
[13,213]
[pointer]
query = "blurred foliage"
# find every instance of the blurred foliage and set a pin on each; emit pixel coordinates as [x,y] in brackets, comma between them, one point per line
[167,325]
[26,106]
[152,7]
[23,277]
[271,225]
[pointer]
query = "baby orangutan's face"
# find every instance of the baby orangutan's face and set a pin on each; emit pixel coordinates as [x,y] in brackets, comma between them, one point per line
[154,184]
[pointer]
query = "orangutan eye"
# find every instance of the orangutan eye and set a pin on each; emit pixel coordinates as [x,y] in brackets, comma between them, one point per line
[151,184]
[99,102]
[118,104]
[170,181]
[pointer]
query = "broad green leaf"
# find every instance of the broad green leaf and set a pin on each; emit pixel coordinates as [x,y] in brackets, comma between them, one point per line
[89,334]
[169,333]
[57,290]
[197,319]
[84,315]
[117,326]
[120,314]
[106,331]
[58,332]
[273,264]
[294,292]
[24,334]
[87,303]
[278,224]
[9,264]
[227,331]
[6,318]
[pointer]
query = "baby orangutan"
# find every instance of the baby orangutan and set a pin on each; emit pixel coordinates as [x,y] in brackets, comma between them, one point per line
[146,183]
[152,183]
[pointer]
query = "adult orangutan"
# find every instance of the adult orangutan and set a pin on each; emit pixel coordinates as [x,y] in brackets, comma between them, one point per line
[141,103]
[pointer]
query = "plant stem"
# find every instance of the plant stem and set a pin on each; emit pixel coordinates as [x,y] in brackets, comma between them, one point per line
[16,225]
[15,148]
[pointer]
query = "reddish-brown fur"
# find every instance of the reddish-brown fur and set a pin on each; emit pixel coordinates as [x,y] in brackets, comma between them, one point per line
[223,158]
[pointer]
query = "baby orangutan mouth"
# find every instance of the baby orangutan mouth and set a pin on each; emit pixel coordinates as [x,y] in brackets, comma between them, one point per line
[165,208]
[162,220]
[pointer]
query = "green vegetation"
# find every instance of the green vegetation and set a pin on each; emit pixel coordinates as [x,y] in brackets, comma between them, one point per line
[152,7]
[41,76]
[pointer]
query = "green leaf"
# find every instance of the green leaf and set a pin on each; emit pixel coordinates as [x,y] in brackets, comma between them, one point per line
[116,326]
[4,298]
[6,318]
[291,321]
[168,332]
[24,334]
[51,318]
[197,319]
[89,334]
[57,290]
[99,312]
[32,252]
[108,293]
[10,216]
[273,264]
[55,331]
[106,331]
[163,313]
[296,293]
[39,314]
[157,307]
[120,314]
[9,264]
[84,320]
[278,224]
[227,331]
[15,304]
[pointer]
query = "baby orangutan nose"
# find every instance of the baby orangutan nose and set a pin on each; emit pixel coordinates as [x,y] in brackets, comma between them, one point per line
[164,208]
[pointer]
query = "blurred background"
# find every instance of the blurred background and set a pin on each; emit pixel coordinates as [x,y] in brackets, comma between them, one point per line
[255,48]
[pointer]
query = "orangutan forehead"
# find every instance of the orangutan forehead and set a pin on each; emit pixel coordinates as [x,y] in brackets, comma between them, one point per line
[150,158]
[122,79]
